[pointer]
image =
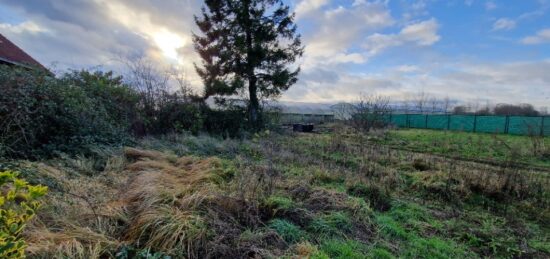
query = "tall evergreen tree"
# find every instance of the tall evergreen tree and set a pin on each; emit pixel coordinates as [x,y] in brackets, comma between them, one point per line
[247,45]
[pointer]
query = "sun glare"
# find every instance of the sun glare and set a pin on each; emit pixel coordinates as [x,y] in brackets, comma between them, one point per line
[169,43]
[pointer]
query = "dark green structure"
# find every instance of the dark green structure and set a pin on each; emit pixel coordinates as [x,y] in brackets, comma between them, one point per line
[516,125]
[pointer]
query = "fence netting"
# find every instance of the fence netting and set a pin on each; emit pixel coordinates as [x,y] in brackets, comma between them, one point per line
[516,125]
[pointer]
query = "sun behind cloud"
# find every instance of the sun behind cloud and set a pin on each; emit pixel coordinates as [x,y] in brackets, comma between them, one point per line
[169,43]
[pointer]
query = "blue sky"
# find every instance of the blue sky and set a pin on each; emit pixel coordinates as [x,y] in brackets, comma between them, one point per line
[473,51]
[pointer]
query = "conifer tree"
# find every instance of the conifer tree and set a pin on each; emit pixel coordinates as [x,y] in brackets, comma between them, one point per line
[247,46]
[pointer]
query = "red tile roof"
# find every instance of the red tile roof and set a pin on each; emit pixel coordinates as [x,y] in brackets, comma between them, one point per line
[10,53]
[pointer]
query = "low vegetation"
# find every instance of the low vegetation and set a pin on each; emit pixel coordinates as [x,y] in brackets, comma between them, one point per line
[284,195]
[499,148]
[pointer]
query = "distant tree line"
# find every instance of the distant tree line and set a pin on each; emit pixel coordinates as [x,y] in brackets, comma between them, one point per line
[524,109]
[423,102]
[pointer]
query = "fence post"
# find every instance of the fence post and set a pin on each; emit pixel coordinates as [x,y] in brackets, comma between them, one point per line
[507,124]
[448,122]
[426,122]
[475,122]
[408,121]
[542,126]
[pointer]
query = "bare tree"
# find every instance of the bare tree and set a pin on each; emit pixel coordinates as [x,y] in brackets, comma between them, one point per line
[434,104]
[183,86]
[151,82]
[420,102]
[371,112]
[446,104]
[343,111]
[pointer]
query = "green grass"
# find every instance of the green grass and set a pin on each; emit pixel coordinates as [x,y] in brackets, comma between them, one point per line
[288,231]
[308,196]
[333,224]
[344,249]
[468,145]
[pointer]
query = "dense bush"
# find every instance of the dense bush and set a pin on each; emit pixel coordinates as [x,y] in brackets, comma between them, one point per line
[228,122]
[41,115]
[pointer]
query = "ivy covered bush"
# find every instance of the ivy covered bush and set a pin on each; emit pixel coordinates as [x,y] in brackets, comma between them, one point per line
[18,204]
[41,115]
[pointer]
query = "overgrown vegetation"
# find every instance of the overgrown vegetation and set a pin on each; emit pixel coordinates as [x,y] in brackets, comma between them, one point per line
[285,195]
[43,116]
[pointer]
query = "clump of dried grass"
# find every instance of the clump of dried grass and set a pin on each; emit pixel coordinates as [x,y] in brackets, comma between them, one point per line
[158,201]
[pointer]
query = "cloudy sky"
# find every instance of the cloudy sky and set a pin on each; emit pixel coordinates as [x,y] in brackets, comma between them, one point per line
[469,50]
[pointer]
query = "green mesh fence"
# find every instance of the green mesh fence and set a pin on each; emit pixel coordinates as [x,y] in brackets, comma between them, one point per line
[517,125]
[399,120]
[438,121]
[462,122]
[417,121]
[491,124]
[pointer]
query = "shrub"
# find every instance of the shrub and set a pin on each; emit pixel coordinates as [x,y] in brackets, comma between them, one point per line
[229,122]
[18,204]
[177,116]
[40,114]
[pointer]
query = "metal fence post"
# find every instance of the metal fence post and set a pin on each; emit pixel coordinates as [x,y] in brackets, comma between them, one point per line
[475,122]
[426,122]
[542,126]
[507,124]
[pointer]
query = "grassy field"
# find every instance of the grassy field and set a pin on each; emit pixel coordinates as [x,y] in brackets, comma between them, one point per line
[286,195]
[479,146]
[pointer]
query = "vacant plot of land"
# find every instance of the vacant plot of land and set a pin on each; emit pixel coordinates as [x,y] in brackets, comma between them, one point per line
[534,151]
[334,195]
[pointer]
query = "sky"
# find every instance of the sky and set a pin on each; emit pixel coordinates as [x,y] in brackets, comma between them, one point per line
[475,51]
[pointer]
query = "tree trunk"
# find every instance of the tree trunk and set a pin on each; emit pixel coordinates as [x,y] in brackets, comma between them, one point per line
[254,105]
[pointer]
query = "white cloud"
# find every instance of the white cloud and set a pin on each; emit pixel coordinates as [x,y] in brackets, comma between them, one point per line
[338,29]
[421,34]
[407,68]
[504,24]
[514,82]
[306,7]
[542,36]
[490,5]
[27,26]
